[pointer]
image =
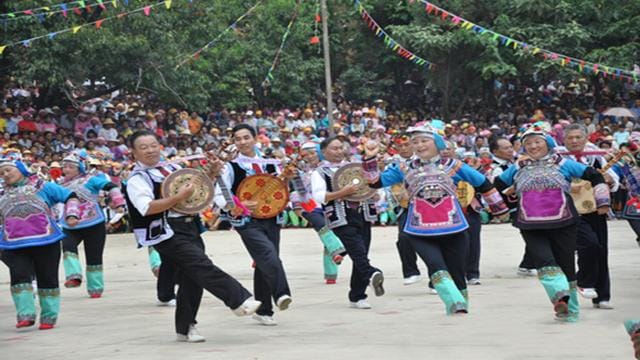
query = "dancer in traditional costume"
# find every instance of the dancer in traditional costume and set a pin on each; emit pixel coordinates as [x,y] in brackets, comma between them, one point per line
[261,237]
[633,328]
[30,240]
[177,238]
[350,221]
[334,250]
[547,217]
[593,239]
[91,228]
[435,223]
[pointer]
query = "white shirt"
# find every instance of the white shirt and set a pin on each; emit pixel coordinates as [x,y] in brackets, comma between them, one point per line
[140,191]
[319,185]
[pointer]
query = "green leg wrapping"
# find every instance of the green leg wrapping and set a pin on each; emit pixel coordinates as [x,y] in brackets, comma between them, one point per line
[574,304]
[632,326]
[384,218]
[331,242]
[330,268]
[449,293]
[285,219]
[304,222]
[49,305]
[465,294]
[22,295]
[392,217]
[72,267]
[154,260]
[554,282]
[293,218]
[95,280]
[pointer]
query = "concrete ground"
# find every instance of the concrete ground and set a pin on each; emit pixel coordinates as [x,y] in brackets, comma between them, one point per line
[511,317]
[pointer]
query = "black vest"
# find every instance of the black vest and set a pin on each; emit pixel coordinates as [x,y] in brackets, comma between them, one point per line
[137,220]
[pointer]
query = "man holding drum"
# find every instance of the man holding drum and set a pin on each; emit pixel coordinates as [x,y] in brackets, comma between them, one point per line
[592,241]
[258,228]
[176,237]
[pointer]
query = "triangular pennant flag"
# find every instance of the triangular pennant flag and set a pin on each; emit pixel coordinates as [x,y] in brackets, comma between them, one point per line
[455,20]
[121,15]
[318,18]
[11,15]
[77,11]
[64,9]
[26,43]
[82,3]
[444,15]
[101,5]
[2,48]
[167,3]
[429,8]
[75,29]
[535,51]
[99,23]
[52,35]
[46,8]
[147,10]
[114,3]
[41,17]
[28,12]
[595,68]
[126,2]
[515,44]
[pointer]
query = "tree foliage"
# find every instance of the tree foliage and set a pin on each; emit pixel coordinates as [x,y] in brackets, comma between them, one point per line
[141,53]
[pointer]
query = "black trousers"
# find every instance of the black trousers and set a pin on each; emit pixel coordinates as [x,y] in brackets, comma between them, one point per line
[94,239]
[527,261]
[356,238]
[473,255]
[315,219]
[554,247]
[261,237]
[447,252]
[408,257]
[195,272]
[167,280]
[43,261]
[635,226]
[593,255]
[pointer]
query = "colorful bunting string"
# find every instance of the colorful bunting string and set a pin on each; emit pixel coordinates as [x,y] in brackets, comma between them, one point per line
[41,13]
[580,65]
[269,78]
[389,41]
[75,29]
[315,39]
[210,44]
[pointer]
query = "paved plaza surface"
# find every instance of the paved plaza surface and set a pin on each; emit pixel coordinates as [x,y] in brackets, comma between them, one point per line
[510,318]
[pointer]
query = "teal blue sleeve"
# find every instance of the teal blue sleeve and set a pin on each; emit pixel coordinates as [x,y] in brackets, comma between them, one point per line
[470,175]
[507,176]
[53,193]
[97,183]
[572,169]
[391,175]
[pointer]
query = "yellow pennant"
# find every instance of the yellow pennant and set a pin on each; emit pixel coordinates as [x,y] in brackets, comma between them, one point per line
[76,29]
[535,51]
[114,3]
[2,48]
[167,3]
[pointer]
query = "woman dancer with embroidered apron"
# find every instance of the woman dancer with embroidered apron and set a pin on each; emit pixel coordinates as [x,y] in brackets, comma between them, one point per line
[435,224]
[334,250]
[547,217]
[29,239]
[91,225]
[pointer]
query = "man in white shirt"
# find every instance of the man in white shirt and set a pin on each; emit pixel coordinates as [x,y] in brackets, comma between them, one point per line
[177,238]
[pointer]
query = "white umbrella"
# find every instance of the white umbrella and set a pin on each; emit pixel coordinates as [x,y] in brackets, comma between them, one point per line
[619,112]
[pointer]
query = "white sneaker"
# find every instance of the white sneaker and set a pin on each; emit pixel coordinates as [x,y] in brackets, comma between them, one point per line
[376,283]
[412,279]
[527,272]
[248,307]
[474,281]
[265,320]
[171,303]
[360,304]
[605,305]
[588,293]
[433,291]
[283,302]
[193,336]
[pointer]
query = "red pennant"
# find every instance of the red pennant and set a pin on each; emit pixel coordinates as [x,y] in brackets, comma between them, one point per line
[147,10]
[99,23]
[77,11]
[314,40]
[196,55]
[429,8]
[102,6]
[318,18]
[28,12]
[445,15]
[64,13]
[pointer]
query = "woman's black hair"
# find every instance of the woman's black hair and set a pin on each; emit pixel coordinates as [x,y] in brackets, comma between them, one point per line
[138,134]
[327,141]
[243,127]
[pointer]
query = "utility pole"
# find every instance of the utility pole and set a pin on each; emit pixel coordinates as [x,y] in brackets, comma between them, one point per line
[327,63]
